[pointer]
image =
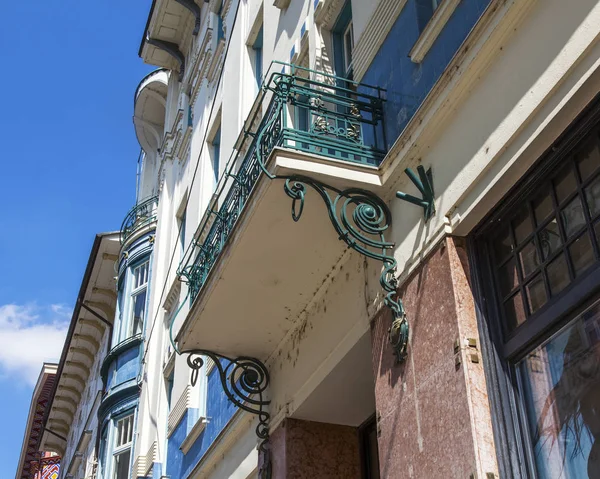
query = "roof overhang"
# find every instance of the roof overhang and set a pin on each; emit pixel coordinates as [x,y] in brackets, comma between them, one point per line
[91,321]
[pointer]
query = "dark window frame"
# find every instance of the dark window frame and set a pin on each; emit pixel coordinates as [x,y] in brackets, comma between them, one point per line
[364,430]
[513,446]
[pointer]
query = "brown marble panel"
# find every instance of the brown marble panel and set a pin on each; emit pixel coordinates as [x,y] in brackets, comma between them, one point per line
[312,450]
[428,407]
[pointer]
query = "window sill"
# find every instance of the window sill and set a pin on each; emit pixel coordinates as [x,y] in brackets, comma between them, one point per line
[195,432]
[432,30]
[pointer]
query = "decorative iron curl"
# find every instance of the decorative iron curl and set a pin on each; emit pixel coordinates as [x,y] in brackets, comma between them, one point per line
[244,382]
[361,219]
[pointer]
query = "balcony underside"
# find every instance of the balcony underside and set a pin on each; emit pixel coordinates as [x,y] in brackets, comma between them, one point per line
[271,267]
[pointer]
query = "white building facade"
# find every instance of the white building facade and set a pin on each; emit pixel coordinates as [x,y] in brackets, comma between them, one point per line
[366,244]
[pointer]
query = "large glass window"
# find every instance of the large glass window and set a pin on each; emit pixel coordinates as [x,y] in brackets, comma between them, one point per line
[343,42]
[138,299]
[116,448]
[132,303]
[539,257]
[551,240]
[561,391]
[123,437]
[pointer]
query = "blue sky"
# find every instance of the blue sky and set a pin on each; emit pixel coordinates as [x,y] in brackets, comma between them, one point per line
[67,171]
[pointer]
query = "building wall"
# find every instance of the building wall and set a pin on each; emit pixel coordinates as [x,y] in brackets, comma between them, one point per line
[497,86]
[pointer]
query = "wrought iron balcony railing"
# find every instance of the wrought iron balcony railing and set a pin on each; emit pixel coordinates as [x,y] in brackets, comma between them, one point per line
[139,216]
[306,111]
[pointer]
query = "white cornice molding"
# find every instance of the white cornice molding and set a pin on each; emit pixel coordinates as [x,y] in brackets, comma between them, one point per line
[327,12]
[143,464]
[432,30]
[217,60]
[199,65]
[179,410]
[379,25]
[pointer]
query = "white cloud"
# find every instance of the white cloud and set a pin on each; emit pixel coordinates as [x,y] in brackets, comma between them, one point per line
[30,335]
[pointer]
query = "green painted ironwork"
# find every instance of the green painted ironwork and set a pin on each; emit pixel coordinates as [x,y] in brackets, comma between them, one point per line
[424,183]
[334,118]
[139,216]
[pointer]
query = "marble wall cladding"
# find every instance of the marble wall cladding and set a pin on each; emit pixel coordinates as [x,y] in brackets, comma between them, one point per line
[433,410]
[313,450]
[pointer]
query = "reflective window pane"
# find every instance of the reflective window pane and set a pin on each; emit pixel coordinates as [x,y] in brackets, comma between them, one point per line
[542,207]
[560,386]
[536,294]
[582,254]
[592,195]
[508,277]
[514,312]
[549,239]
[572,217]
[588,159]
[503,245]
[522,226]
[565,184]
[121,466]
[528,258]
[558,274]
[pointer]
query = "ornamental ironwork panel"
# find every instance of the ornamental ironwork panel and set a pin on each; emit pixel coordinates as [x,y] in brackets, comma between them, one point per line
[308,111]
[139,216]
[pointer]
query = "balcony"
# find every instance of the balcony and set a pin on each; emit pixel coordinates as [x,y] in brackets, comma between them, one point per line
[251,270]
[139,218]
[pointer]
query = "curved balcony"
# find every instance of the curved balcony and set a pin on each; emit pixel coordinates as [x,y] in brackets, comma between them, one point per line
[140,216]
[316,127]
[149,110]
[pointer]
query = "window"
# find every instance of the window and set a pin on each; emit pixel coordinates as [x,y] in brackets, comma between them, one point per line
[257,48]
[343,42]
[138,299]
[181,220]
[116,447]
[216,154]
[561,392]
[220,28]
[539,260]
[122,451]
[348,46]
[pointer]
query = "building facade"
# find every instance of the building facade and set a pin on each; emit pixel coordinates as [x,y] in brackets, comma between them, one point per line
[35,463]
[365,244]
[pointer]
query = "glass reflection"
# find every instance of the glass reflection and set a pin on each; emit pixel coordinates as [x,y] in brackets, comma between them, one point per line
[561,389]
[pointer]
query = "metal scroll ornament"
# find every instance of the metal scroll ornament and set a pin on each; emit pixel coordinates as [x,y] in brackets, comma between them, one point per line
[361,219]
[244,382]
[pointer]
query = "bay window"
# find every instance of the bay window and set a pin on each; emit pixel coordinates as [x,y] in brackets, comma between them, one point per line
[133,297]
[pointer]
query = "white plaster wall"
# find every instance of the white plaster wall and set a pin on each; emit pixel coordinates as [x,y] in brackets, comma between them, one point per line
[487,132]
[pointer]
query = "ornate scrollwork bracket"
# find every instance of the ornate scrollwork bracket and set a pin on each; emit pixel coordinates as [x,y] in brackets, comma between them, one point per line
[244,382]
[361,219]
[424,183]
